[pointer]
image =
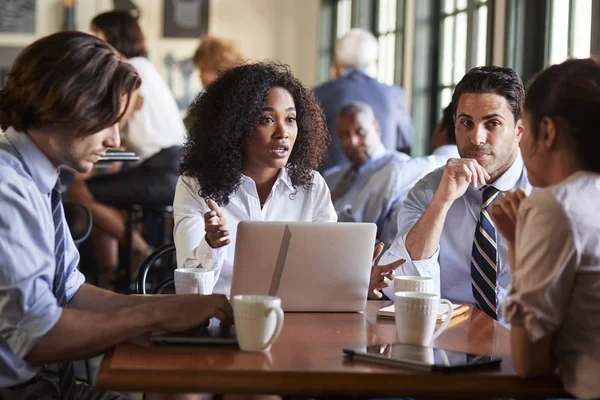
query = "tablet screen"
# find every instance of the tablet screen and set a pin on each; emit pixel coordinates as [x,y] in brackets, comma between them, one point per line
[212,334]
[422,357]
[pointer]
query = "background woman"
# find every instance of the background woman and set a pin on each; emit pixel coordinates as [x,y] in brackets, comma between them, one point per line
[554,235]
[154,131]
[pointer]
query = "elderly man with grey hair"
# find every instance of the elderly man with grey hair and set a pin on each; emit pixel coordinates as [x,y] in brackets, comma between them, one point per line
[367,188]
[355,52]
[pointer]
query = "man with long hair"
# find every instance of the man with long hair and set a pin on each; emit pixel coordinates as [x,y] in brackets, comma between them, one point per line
[60,106]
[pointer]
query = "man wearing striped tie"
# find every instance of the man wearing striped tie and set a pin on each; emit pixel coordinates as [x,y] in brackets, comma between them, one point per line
[60,106]
[445,230]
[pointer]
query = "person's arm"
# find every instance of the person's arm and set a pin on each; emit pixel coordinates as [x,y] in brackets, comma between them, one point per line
[323,210]
[193,250]
[543,273]
[424,238]
[81,333]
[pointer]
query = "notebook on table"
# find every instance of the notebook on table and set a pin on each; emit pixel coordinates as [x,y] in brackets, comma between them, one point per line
[457,309]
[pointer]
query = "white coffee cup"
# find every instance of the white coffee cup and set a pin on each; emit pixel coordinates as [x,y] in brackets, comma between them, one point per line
[416,316]
[422,284]
[258,321]
[194,281]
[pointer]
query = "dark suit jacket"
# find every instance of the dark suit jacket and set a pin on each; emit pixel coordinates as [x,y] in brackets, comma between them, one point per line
[387,103]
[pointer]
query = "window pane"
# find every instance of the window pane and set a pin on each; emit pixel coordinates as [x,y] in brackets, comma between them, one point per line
[461,4]
[344,13]
[447,62]
[445,98]
[559,31]
[387,15]
[385,68]
[481,36]
[460,51]
[582,31]
[448,6]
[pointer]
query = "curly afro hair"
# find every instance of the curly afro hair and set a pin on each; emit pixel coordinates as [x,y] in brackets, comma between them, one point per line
[223,120]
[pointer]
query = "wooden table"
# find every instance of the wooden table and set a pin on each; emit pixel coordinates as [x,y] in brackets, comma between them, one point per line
[307,360]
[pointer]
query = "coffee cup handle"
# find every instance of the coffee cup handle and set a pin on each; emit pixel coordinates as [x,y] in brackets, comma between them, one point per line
[279,312]
[446,321]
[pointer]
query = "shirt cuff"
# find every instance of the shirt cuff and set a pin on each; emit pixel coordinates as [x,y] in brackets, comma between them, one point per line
[515,312]
[425,267]
[43,314]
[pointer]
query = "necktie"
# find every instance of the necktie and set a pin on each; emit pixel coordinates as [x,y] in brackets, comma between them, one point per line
[66,377]
[344,184]
[484,257]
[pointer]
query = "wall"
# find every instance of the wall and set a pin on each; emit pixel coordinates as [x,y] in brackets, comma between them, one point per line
[282,30]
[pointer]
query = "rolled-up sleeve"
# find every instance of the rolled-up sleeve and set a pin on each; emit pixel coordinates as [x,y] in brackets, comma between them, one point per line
[546,262]
[192,249]
[28,307]
[409,213]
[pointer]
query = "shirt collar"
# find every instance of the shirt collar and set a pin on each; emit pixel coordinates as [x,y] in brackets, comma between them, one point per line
[282,177]
[511,176]
[449,150]
[378,155]
[352,70]
[41,169]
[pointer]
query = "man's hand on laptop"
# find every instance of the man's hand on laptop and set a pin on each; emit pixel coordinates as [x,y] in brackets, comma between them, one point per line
[382,276]
[215,226]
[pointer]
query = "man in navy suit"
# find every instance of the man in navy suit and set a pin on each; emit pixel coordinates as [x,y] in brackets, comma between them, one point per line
[354,53]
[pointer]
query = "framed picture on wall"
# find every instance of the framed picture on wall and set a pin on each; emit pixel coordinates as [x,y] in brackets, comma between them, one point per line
[17,16]
[185,18]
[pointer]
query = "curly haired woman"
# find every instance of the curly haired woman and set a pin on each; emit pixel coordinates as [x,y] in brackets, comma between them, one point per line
[256,137]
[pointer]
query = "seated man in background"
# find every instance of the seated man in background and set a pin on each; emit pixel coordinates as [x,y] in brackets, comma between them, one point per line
[48,314]
[355,52]
[365,190]
[445,230]
[443,147]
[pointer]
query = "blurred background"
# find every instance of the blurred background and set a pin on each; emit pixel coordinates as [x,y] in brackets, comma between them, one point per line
[425,46]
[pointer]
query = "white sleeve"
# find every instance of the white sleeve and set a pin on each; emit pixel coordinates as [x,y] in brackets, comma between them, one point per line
[192,249]
[323,210]
[411,210]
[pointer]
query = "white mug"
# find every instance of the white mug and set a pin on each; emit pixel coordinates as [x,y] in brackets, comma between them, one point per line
[416,315]
[258,321]
[193,281]
[422,284]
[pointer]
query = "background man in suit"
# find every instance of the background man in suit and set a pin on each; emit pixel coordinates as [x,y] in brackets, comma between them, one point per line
[354,53]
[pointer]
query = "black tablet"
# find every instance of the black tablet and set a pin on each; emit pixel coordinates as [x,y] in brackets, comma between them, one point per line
[212,334]
[420,357]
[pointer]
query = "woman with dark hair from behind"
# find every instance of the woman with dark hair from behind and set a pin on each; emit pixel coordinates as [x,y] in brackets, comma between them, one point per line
[153,129]
[554,234]
[256,137]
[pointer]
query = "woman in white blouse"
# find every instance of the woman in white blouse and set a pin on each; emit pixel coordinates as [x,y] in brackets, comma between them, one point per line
[256,137]
[554,234]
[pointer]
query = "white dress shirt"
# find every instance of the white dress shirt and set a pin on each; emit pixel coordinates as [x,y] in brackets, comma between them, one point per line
[451,263]
[284,203]
[373,192]
[158,124]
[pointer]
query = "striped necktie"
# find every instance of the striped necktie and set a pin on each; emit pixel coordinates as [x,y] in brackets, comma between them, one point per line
[66,377]
[344,184]
[484,256]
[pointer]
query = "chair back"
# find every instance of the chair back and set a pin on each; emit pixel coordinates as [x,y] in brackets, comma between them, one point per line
[79,220]
[162,258]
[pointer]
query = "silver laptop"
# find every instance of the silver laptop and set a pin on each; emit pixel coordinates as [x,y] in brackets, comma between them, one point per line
[312,266]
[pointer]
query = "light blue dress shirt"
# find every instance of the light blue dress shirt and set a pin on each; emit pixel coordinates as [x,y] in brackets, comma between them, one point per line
[373,192]
[28,307]
[451,263]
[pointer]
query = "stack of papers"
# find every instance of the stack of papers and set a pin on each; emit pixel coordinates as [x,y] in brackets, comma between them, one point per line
[458,309]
